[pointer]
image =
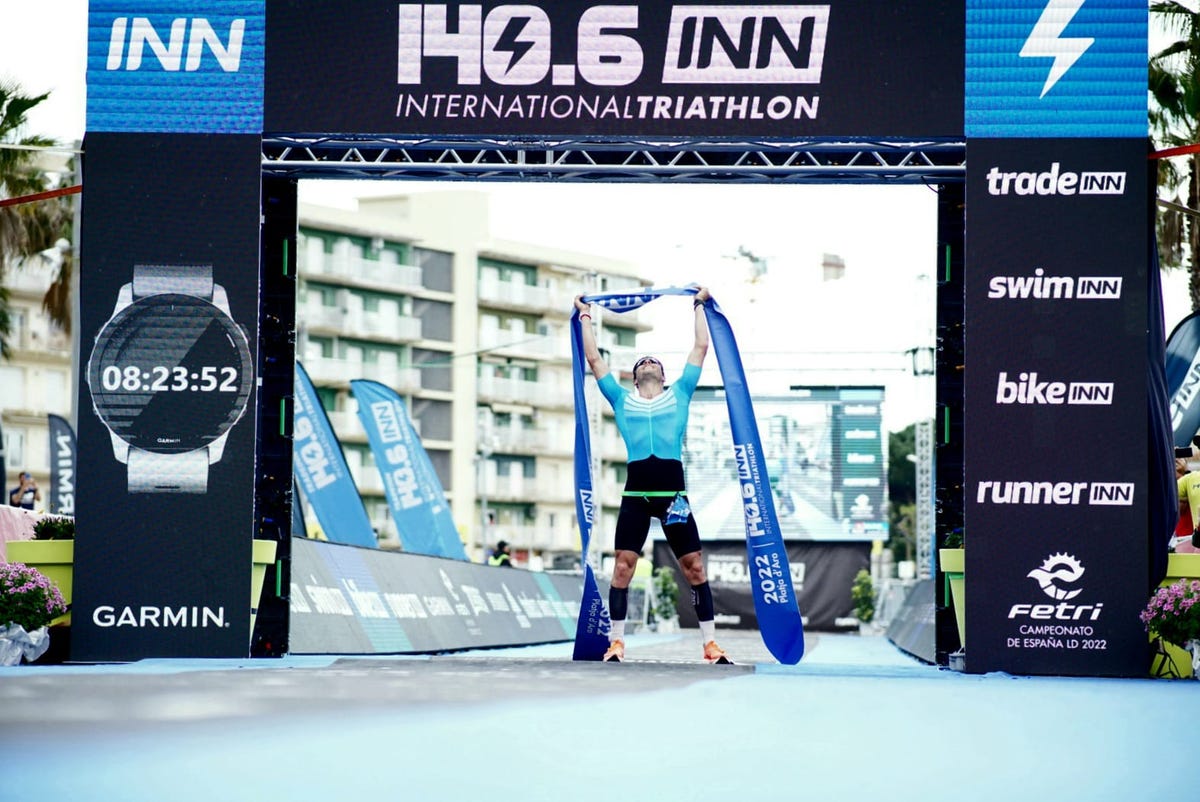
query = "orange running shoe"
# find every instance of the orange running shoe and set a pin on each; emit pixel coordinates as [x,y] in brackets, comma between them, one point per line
[715,655]
[616,652]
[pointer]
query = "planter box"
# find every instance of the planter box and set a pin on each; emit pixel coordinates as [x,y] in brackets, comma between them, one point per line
[1179,566]
[953,564]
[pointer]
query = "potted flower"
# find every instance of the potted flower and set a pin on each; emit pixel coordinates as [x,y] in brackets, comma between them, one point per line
[29,601]
[666,600]
[52,552]
[862,594]
[1173,614]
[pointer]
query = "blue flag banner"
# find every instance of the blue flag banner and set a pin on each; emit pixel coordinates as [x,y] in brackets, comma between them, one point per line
[413,490]
[1183,379]
[775,601]
[62,466]
[320,467]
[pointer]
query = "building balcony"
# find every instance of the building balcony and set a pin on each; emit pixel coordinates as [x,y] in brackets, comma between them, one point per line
[520,391]
[328,371]
[393,277]
[380,326]
[524,345]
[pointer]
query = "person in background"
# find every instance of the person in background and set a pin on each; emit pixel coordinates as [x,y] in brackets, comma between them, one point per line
[501,555]
[652,420]
[26,494]
[1189,507]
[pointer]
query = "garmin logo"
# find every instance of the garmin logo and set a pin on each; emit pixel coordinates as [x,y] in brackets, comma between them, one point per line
[861,434]
[1039,286]
[741,45]
[1028,390]
[1118,494]
[148,616]
[860,409]
[1055,181]
[183,49]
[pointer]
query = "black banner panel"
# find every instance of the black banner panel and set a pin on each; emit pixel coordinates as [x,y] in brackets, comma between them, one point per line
[845,68]
[822,574]
[352,600]
[1055,423]
[168,324]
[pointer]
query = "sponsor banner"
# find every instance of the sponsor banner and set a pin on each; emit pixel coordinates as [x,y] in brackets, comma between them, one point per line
[821,573]
[349,600]
[824,454]
[320,468]
[176,66]
[62,466]
[1056,490]
[914,628]
[774,595]
[166,430]
[1056,68]
[413,490]
[1183,379]
[645,69]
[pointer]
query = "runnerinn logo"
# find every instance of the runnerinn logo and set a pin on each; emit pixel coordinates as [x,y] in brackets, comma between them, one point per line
[1026,388]
[1042,287]
[1055,181]
[1055,493]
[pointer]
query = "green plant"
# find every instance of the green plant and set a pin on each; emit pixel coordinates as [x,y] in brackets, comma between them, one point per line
[53,527]
[28,598]
[862,593]
[666,594]
[954,539]
[1173,612]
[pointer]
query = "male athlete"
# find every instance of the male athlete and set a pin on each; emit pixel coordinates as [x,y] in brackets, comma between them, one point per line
[652,420]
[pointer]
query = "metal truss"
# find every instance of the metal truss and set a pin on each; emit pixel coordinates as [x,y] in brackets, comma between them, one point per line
[484,159]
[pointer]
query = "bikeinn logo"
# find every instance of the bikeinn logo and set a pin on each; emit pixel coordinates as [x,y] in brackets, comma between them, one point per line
[1027,388]
[1055,181]
[1061,494]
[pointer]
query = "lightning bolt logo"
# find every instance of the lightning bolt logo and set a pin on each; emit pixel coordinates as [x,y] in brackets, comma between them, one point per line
[508,43]
[1046,40]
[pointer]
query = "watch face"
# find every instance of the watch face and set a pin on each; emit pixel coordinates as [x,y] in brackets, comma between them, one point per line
[170,373]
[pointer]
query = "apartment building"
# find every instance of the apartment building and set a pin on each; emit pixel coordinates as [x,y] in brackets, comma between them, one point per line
[36,380]
[472,331]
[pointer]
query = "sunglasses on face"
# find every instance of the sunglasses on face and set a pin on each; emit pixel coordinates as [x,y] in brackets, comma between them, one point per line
[644,360]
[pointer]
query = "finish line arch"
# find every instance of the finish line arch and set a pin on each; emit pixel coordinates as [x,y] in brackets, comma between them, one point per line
[199,125]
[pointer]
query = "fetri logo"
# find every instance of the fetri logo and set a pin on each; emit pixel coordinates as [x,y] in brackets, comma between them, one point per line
[1055,576]
[1055,181]
[1027,389]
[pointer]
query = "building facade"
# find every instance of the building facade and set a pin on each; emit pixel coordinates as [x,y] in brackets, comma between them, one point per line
[414,292]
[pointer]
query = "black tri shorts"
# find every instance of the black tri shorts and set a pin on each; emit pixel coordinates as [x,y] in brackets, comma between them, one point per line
[633,525]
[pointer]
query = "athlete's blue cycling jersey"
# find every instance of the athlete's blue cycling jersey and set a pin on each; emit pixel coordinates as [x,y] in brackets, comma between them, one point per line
[653,427]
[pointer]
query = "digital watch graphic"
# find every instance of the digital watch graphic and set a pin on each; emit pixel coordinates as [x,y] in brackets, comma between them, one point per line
[170,375]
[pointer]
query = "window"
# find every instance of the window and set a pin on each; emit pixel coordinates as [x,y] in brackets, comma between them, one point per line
[14,447]
[12,388]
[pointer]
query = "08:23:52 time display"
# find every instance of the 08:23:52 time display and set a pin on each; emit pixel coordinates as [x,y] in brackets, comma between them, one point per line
[160,378]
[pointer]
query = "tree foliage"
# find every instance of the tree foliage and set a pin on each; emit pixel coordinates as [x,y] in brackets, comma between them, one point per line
[29,229]
[1175,121]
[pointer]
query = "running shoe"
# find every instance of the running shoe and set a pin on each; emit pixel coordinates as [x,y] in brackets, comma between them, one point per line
[715,655]
[616,652]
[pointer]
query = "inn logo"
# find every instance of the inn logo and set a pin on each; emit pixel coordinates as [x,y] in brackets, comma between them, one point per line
[180,48]
[1054,181]
[1028,389]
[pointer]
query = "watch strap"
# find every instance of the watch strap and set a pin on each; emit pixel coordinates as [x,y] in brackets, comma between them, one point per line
[168,473]
[182,279]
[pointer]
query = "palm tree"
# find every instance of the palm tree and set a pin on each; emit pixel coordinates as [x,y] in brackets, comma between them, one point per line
[29,229]
[1175,122]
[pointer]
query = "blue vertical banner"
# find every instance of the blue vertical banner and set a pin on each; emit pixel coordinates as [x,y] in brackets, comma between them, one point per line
[1183,379]
[775,602]
[62,466]
[320,468]
[415,494]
